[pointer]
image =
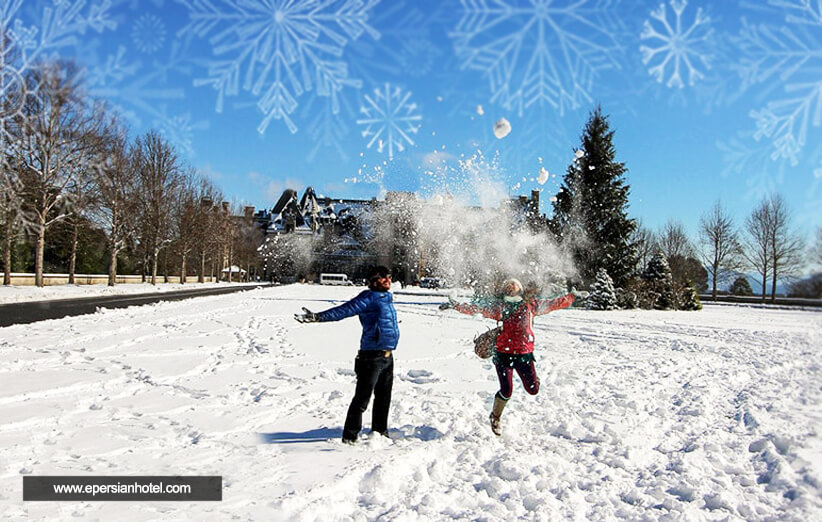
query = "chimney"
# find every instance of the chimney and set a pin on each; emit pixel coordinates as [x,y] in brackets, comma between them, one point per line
[226,207]
[248,212]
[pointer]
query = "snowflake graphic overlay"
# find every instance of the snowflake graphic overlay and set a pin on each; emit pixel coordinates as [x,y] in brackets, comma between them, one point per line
[536,51]
[788,57]
[136,91]
[279,49]
[21,45]
[148,33]
[389,118]
[676,47]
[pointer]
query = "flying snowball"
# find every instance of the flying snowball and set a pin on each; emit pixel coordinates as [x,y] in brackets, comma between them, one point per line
[543,176]
[480,111]
[502,128]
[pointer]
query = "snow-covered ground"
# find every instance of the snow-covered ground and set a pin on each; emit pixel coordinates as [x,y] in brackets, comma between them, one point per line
[712,415]
[18,294]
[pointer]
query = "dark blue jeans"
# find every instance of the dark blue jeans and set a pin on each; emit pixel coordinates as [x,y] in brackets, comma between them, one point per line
[375,375]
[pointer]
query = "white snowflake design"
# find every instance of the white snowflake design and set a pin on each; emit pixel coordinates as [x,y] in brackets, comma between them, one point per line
[390,118]
[537,51]
[137,91]
[788,57]
[22,45]
[279,49]
[148,33]
[677,49]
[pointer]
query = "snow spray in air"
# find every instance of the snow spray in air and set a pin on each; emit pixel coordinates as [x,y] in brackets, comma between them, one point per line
[472,233]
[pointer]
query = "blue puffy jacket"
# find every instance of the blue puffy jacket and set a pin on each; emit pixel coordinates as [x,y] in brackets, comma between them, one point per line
[377,316]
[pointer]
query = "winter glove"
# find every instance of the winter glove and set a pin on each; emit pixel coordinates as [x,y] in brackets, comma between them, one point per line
[307,317]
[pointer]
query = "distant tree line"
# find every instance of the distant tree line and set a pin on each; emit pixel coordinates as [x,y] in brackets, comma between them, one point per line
[626,265]
[79,195]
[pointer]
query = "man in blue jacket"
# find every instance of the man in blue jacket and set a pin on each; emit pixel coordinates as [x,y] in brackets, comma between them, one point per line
[374,364]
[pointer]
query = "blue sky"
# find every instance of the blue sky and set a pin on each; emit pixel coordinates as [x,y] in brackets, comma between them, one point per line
[709,100]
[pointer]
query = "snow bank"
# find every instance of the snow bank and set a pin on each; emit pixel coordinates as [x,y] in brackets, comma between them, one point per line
[17,294]
[643,415]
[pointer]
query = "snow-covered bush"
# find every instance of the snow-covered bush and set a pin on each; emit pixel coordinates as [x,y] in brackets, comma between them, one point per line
[626,299]
[602,296]
[657,284]
[689,298]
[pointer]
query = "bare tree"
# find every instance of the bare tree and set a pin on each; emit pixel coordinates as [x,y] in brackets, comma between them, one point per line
[81,193]
[12,95]
[159,178]
[187,217]
[816,252]
[673,240]
[115,194]
[9,213]
[247,241]
[720,247]
[645,246]
[787,246]
[207,241]
[758,244]
[55,138]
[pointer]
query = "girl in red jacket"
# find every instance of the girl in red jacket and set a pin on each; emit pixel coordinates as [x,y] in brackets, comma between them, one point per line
[515,344]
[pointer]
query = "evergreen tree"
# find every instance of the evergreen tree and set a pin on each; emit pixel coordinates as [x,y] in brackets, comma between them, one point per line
[741,286]
[658,288]
[590,217]
[602,296]
[689,298]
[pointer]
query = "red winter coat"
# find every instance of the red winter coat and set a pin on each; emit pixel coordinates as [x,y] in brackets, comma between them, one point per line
[517,318]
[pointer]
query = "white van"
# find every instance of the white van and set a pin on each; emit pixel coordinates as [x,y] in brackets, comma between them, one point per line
[335,279]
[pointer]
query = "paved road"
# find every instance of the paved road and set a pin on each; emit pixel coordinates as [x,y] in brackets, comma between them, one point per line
[33,311]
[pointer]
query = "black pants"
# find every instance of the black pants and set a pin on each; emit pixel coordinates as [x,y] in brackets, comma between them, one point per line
[375,374]
[524,366]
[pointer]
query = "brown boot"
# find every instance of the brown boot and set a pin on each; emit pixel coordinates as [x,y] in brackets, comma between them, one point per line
[496,413]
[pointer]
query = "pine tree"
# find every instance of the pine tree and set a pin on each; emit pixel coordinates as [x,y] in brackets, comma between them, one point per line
[689,298]
[602,296]
[658,288]
[741,286]
[590,216]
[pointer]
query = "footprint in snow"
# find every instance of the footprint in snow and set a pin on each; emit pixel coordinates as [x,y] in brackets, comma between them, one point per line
[420,377]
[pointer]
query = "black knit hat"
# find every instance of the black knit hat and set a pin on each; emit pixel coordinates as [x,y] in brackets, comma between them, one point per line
[377,272]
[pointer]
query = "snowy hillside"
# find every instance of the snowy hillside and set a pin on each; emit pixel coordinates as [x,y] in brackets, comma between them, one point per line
[710,415]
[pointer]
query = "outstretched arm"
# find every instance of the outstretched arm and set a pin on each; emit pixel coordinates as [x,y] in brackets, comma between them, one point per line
[491,311]
[348,309]
[543,306]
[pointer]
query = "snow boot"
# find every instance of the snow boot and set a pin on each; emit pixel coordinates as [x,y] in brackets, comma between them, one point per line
[496,413]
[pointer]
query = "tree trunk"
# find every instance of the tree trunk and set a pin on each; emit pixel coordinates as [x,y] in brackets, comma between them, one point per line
[38,253]
[154,267]
[201,275]
[713,289]
[183,269]
[773,286]
[112,265]
[73,258]
[764,287]
[230,266]
[7,254]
